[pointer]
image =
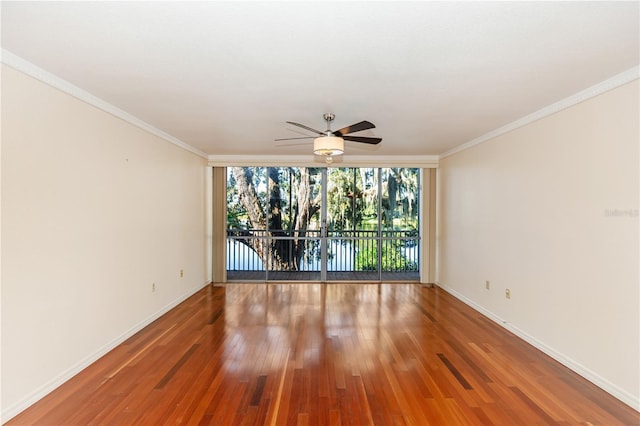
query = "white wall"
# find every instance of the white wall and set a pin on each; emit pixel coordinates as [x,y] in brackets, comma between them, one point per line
[94,210]
[534,210]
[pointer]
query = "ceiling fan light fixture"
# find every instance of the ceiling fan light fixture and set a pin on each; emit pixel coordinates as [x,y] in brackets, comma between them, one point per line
[328,146]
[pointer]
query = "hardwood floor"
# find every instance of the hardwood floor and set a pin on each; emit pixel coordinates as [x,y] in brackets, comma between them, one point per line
[326,354]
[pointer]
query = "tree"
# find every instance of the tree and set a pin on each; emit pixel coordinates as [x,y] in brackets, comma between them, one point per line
[402,182]
[288,216]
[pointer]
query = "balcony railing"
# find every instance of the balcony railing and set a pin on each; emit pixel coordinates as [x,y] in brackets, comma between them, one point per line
[347,251]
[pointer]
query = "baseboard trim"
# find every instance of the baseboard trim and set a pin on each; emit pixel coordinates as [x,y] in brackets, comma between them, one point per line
[578,368]
[49,387]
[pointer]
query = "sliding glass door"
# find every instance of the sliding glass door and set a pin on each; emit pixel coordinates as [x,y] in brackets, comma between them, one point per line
[290,223]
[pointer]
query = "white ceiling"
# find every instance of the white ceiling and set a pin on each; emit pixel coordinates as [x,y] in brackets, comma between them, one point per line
[223,77]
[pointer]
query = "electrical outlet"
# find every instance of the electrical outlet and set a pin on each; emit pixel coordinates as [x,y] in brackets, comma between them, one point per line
[153,287]
[507,294]
[487,285]
[181,273]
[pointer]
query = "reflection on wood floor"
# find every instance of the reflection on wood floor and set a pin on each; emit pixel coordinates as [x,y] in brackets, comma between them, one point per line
[326,354]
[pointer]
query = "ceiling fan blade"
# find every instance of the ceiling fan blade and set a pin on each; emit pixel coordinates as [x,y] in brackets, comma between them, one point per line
[363,139]
[290,139]
[363,125]
[305,127]
[287,144]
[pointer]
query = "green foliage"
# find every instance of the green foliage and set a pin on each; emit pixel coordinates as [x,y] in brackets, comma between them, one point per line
[352,197]
[392,258]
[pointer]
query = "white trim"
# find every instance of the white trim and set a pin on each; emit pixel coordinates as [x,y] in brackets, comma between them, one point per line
[420,161]
[578,368]
[593,91]
[52,80]
[49,387]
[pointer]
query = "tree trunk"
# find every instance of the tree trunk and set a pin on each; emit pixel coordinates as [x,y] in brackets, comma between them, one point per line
[306,209]
[281,250]
[392,187]
[251,203]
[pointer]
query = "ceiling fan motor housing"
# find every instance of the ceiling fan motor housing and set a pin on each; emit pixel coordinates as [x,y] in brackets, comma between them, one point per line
[328,116]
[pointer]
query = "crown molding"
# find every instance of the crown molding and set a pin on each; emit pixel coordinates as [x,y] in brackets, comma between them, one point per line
[56,82]
[52,80]
[424,161]
[591,92]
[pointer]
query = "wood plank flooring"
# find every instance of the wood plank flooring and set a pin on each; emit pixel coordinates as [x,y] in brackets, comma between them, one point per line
[326,354]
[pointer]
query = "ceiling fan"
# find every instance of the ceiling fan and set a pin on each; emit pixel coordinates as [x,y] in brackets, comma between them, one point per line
[330,143]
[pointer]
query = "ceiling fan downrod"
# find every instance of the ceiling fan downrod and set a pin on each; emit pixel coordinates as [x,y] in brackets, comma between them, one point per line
[329,117]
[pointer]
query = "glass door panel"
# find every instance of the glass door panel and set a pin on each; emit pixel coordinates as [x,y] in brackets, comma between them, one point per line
[352,224]
[293,223]
[400,211]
